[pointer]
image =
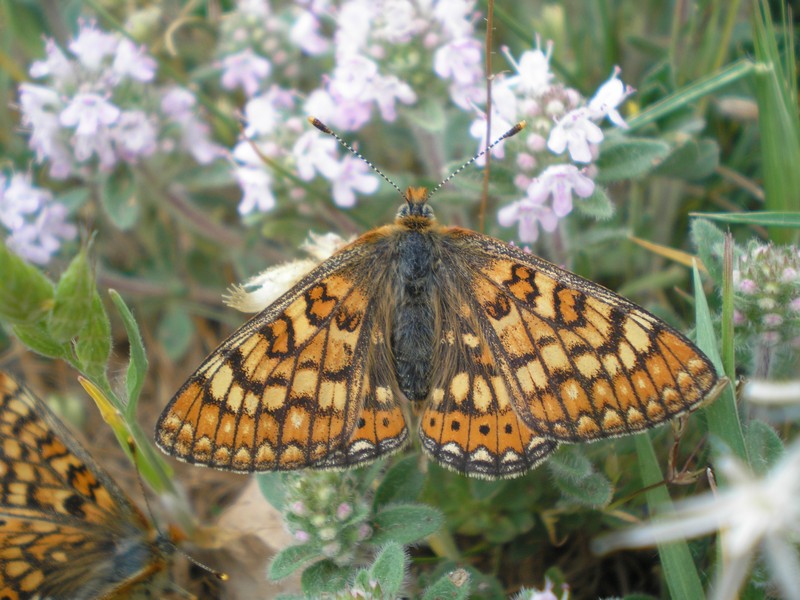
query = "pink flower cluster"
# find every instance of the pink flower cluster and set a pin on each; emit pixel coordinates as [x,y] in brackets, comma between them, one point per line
[97,107]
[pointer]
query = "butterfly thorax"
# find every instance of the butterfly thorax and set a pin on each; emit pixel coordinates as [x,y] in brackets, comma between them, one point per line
[413,318]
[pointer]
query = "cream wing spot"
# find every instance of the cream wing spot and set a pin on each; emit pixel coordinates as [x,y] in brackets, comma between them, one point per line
[459,387]
[220,382]
[235,397]
[636,335]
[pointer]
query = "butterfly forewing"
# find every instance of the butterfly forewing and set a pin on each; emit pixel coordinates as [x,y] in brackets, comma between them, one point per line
[299,385]
[66,529]
[579,361]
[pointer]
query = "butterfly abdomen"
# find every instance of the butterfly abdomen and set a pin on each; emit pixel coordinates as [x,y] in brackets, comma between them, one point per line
[413,318]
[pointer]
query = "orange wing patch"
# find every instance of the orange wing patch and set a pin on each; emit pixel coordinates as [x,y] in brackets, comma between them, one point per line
[66,529]
[580,362]
[295,387]
[469,424]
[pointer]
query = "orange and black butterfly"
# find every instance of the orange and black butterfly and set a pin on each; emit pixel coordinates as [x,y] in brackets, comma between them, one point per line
[66,530]
[501,354]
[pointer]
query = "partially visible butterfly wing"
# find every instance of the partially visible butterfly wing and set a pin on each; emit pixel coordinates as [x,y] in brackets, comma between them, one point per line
[469,424]
[298,385]
[63,520]
[580,362]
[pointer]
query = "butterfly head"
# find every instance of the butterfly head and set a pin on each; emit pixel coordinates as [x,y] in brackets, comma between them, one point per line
[416,207]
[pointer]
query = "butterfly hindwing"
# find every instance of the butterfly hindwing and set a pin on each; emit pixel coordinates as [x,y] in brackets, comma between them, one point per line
[66,529]
[290,388]
[469,424]
[579,361]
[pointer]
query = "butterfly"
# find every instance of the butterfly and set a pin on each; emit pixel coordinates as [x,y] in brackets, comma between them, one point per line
[501,354]
[66,530]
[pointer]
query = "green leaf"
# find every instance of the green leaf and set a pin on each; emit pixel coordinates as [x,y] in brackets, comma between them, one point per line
[405,523]
[629,158]
[576,478]
[389,569]
[137,362]
[764,446]
[695,159]
[93,346]
[175,332]
[597,206]
[271,486]
[73,299]
[119,199]
[680,572]
[595,490]
[25,294]
[402,483]
[765,218]
[37,338]
[324,577]
[455,585]
[570,463]
[74,198]
[288,560]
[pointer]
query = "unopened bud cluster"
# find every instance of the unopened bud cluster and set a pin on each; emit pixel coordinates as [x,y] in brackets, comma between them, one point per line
[327,509]
[766,281]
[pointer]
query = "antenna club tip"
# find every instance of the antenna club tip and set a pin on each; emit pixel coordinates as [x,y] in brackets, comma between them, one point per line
[320,125]
[222,576]
[519,127]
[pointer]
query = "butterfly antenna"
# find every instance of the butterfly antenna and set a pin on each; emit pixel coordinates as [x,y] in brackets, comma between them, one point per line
[218,574]
[325,129]
[513,131]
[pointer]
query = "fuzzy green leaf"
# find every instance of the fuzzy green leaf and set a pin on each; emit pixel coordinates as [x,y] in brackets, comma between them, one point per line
[73,299]
[402,483]
[25,294]
[764,446]
[389,569]
[709,241]
[405,523]
[37,338]
[93,346]
[288,560]
[119,199]
[271,486]
[597,206]
[577,480]
[629,158]
[324,577]
[695,159]
[570,463]
[455,585]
